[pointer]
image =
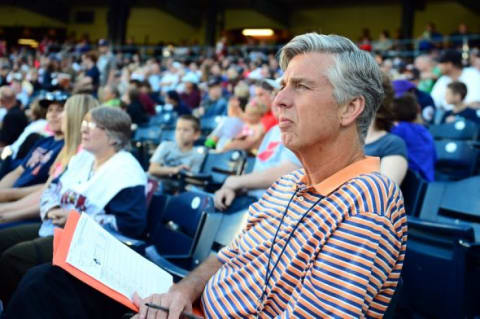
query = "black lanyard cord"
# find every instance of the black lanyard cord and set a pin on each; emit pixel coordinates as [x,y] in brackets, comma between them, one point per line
[268,274]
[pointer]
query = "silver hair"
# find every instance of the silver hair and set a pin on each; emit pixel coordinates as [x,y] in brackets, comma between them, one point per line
[117,124]
[354,73]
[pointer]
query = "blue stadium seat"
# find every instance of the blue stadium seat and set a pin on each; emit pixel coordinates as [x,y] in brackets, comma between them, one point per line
[208,124]
[249,164]
[184,235]
[455,159]
[167,135]
[147,134]
[454,202]
[459,130]
[413,189]
[215,169]
[434,269]
[165,119]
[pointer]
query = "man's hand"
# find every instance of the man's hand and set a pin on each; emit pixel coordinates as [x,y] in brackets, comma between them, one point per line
[176,300]
[224,198]
[58,216]
[176,169]
[227,193]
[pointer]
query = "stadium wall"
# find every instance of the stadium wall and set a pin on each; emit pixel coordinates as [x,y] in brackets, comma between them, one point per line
[151,25]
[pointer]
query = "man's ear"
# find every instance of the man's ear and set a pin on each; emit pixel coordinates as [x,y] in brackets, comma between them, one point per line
[351,111]
[197,135]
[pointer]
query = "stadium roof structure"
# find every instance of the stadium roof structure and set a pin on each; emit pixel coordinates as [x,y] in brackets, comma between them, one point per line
[193,11]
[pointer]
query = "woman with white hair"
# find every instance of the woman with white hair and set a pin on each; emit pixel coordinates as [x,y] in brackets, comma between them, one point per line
[103,181]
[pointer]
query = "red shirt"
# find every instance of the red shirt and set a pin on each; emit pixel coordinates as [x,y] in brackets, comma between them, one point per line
[268,121]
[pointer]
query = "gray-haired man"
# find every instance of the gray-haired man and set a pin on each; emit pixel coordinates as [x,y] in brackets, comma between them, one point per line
[327,240]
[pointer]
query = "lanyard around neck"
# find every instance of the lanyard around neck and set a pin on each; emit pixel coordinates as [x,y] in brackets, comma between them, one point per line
[268,274]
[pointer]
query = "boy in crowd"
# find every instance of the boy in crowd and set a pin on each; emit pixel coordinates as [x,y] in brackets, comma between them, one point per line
[173,156]
[455,95]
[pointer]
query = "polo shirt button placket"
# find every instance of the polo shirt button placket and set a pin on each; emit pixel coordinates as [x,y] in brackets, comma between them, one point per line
[300,198]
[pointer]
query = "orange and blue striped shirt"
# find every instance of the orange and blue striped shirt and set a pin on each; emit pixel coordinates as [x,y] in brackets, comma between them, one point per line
[343,261]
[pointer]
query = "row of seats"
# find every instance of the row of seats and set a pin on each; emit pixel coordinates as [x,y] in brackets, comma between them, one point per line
[457,147]
[441,273]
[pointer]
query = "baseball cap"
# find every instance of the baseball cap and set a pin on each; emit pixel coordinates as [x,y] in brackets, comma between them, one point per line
[216,80]
[452,56]
[401,87]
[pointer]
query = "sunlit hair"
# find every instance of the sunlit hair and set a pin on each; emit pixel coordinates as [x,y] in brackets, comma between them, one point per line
[75,109]
[354,73]
[116,123]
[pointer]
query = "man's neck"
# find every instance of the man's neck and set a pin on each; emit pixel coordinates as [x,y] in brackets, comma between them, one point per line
[321,162]
[455,74]
[457,108]
[185,148]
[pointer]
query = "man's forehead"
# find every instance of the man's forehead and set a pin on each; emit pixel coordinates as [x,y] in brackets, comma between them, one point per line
[308,66]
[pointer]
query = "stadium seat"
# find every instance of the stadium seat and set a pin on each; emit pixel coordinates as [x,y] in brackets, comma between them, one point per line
[434,269]
[156,206]
[454,202]
[208,124]
[455,159]
[184,235]
[413,189]
[249,164]
[459,130]
[147,134]
[215,169]
[165,119]
[167,135]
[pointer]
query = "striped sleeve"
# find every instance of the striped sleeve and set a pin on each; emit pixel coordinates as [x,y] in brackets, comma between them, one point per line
[350,271]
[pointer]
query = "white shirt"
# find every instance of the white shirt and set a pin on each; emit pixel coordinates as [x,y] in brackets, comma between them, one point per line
[469,76]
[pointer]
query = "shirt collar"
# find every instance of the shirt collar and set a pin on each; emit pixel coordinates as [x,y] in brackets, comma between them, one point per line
[367,165]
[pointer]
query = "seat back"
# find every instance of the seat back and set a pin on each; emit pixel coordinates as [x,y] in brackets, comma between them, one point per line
[413,189]
[455,159]
[150,189]
[208,124]
[147,134]
[177,232]
[249,164]
[167,135]
[455,202]
[473,279]
[434,268]
[164,119]
[458,130]
[222,165]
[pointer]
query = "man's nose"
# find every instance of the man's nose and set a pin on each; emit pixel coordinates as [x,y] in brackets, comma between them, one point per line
[282,99]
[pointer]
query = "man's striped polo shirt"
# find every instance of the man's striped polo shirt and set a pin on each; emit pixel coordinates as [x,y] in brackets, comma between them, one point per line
[343,261]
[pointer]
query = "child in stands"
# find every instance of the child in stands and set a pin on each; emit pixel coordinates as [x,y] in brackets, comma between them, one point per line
[172,157]
[455,94]
[252,131]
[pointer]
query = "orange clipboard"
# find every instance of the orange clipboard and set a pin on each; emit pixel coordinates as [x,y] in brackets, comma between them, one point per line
[61,245]
[62,239]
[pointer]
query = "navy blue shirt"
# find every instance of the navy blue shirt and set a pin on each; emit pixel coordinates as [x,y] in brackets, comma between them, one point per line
[13,124]
[469,113]
[37,163]
[426,104]
[387,145]
[130,209]
[182,109]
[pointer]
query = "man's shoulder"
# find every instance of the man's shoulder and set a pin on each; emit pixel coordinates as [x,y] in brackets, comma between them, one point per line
[374,193]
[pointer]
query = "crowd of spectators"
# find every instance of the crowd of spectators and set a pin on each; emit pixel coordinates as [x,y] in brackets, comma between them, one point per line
[51,126]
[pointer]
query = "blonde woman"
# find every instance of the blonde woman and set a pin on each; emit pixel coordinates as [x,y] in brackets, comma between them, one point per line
[27,206]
